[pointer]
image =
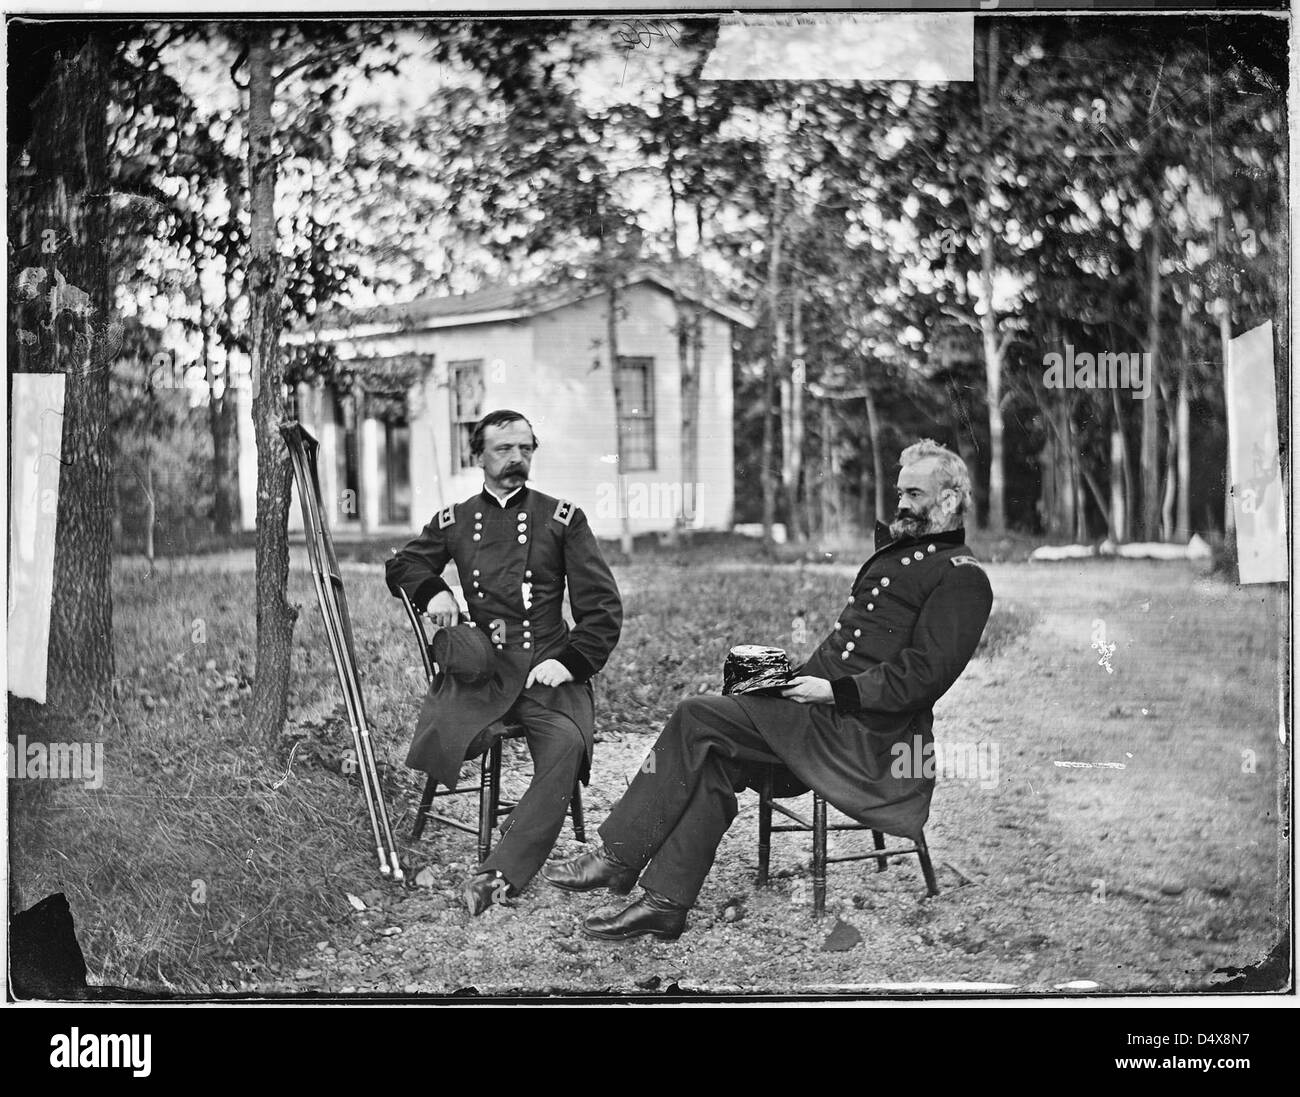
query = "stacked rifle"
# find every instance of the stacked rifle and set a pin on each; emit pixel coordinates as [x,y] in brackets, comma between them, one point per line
[338,629]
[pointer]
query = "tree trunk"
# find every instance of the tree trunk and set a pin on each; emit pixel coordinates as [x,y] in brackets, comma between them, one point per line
[1225,338]
[792,434]
[776,356]
[1048,476]
[1223,311]
[1171,473]
[1183,523]
[877,456]
[1078,507]
[1053,468]
[988,321]
[686,382]
[230,432]
[1118,504]
[275,617]
[59,204]
[691,470]
[1150,446]
[150,508]
[993,386]
[234,261]
[611,337]
[1126,518]
[1071,482]
[216,421]
[828,474]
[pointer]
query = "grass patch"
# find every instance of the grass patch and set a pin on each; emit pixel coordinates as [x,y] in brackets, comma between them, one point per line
[207,865]
[202,864]
[1006,624]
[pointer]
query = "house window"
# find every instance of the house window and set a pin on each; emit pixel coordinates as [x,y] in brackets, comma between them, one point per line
[466,409]
[636,414]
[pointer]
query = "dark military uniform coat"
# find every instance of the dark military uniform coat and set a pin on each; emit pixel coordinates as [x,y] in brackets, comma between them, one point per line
[914,617]
[513,562]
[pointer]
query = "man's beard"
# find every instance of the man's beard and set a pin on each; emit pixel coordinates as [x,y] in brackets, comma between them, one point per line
[912,525]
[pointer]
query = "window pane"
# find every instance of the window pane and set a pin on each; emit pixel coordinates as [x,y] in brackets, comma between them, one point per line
[464,458]
[466,391]
[636,424]
[636,393]
[466,400]
[638,446]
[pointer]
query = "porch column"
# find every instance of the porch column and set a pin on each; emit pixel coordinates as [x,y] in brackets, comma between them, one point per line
[368,476]
[327,434]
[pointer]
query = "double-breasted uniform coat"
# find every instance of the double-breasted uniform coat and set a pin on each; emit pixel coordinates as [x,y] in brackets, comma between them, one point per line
[913,619]
[514,561]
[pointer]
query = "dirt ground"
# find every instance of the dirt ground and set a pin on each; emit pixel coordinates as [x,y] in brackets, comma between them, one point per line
[1122,836]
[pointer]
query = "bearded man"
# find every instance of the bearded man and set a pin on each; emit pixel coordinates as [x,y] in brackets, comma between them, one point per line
[914,618]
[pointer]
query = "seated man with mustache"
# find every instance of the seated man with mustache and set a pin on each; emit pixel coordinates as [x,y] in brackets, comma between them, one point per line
[515,550]
[914,618]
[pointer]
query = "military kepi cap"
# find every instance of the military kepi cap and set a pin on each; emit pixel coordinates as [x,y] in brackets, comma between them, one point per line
[750,668]
[463,651]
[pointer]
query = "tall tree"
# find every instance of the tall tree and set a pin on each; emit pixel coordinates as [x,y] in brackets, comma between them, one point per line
[275,617]
[59,228]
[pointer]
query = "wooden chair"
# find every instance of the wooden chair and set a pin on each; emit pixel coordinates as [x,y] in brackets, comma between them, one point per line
[819,828]
[491,807]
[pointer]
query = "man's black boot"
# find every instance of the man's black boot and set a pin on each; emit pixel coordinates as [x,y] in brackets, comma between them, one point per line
[651,914]
[591,870]
[481,891]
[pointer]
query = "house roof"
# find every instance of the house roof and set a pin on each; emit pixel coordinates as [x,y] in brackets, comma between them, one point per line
[493,304]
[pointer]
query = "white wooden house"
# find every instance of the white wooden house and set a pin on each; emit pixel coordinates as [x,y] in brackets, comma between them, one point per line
[395,449]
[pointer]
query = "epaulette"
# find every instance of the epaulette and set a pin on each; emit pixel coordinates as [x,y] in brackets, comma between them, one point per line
[563,512]
[446,517]
[956,560]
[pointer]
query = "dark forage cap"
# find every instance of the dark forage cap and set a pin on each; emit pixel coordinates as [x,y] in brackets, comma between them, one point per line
[464,651]
[750,667]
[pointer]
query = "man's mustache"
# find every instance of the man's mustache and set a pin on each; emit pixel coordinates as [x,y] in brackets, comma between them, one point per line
[514,470]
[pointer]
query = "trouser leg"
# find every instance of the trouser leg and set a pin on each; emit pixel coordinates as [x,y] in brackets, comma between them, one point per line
[681,803]
[530,831]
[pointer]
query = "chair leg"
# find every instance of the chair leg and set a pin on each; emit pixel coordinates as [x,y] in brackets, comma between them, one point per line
[422,815]
[879,839]
[927,869]
[575,809]
[488,798]
[819,855]
[764,825]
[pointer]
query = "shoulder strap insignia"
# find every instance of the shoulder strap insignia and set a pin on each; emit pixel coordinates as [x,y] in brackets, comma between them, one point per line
[563,512]
[446,517]
[964,560]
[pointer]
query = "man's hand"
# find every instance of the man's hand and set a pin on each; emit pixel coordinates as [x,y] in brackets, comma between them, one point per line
[809,691]
[549,672]
[443,609]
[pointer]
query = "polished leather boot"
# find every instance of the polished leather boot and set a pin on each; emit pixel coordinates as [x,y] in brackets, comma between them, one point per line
[485,889]
[591,870]
[651,914]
